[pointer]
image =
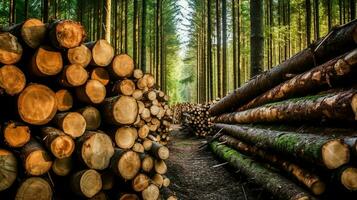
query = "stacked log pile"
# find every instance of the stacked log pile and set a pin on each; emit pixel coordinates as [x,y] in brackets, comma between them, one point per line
[194,117]
[292,129]
[77,120]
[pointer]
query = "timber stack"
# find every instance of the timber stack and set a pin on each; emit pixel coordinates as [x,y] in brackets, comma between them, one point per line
[298,118]
[194,117]
[77,120]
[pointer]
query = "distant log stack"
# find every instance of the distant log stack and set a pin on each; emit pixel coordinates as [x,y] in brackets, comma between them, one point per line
[77,111]
[298,117]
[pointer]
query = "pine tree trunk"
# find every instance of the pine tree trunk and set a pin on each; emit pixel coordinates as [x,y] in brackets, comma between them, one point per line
[257,38]
[353,9]
[320,150]
[224,48]
[108,30]
[316,19]
[219,66]
[271,181]
[308,21]
[143,37]
[135,33]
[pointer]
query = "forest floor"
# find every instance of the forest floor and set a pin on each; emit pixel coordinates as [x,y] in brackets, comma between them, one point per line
[193,176]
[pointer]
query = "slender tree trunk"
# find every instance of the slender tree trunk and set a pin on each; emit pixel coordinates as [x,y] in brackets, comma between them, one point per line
[135,15]
[239,43]
[12,12]
[209,49]
[46,8]
[353,9]
[218,32]
[143,36]
[26,9]
[162,45]
[126,26]
[308,21]
[340,10]
[234,31]
[257,38]
[317,19]
[329,14]
[108,10]
[271,24]
[224,52]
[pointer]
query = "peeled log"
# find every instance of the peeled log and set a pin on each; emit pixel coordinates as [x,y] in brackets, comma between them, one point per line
[102,53]
[8,169]
[92,117]
[120,110]
[125,164]
[122,66]
[93,92]
[80,55]
[72,123]
[336,106]
[325,151]
[34,188]
[62,167]
[12,79]
[95,149]
[46,62]
[271,181]
[64,100]
[37,104]
[10,49]
[35,159]
[16,134]
[86,183]
[100,74]
[32,32]
[311,181]
[342,40]
[73,75]
[159,151]
[319,77]
[60,144]
[66,34]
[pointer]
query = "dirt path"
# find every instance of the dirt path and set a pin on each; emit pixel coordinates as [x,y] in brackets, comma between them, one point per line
[193,176]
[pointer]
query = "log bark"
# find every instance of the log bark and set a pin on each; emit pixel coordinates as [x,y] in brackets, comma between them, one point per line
[102,53]
[66,34]
[37,104]
[64,100]
[325,75]
[8,169]
[72,123]
[80,55]
[34,188]
[16,134]
[92,117]
[271,181]
[46,62]
[340,106]
[36,160]
[60,144]
[324,151]
[12,80]
[62,167]
[305,177]
[100,74]
[86,183]
[160,151]
[10,49]
[73,75]
[120,110]
[93,92]
[122,66]
[31,32]
[124,87]
[152,192]
[95,149]
[342,40]
[140,182]
[125,163]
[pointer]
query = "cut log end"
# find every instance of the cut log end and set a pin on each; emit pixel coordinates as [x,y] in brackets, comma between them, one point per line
[74,124]
[90,183]
[12,79]
[160,167]
[95,91]
[163,152]
[140,182]
[62,146]
[335,154]
[125,110]
[62,167]
[75,75]
[34,188]
[129,165]
[126,87]
[16,135]
[8,169]
[147,164]
[33,32]
[46,62]
[102,53]
[92,117]
[37,163]
[10,49]
[80,55]
[151,193]
[354,105]
[69,34]
[37,104]
[349,178]
[64,100]
[101,75]
[125,137]
[318,188]
[123,66]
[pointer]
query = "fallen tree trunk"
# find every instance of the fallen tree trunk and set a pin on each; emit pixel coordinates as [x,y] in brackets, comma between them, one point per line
[271,181]
[319,77]
[341,40]
[307,178]
[325,151]
[336,106]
